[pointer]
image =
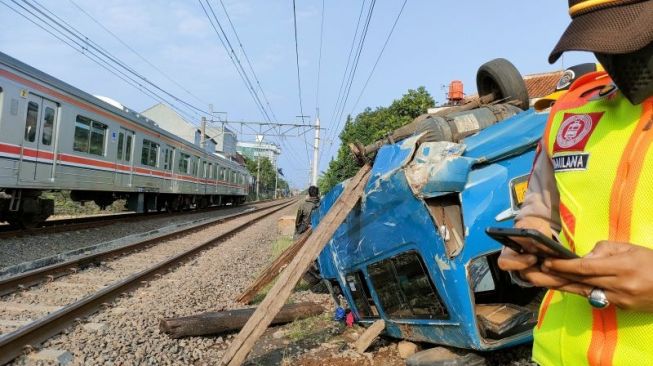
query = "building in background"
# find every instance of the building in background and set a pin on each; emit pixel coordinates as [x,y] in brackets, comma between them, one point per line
[171,121]
[253,150]
[225,140]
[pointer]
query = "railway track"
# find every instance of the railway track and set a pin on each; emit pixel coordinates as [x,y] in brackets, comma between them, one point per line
[86,222]
[39,304]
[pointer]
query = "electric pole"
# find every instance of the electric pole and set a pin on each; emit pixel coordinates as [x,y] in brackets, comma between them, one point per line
[316,152]
[203,132]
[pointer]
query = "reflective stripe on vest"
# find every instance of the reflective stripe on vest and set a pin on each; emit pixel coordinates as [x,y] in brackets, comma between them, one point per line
[600,147]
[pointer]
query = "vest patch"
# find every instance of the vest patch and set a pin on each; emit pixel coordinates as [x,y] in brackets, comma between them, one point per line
[569,162]
[575,131]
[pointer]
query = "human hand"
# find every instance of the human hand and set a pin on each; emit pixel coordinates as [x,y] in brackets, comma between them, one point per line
[622,270]
[526,264]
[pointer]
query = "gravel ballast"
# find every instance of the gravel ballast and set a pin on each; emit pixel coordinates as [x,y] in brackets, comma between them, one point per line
[210,282]
[14,251]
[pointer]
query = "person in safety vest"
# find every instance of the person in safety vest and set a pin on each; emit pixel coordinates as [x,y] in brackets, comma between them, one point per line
[591,188]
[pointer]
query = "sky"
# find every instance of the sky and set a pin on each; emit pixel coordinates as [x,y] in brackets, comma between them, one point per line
[434,42]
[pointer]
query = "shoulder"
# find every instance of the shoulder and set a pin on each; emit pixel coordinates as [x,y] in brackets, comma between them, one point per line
[586,88]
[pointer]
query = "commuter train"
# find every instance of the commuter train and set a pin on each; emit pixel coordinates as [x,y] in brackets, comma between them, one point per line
[54,136]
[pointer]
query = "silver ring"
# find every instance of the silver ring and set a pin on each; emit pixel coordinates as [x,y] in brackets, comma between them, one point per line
[598,299]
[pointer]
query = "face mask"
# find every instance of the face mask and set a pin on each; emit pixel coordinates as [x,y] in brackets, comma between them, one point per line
[632,72]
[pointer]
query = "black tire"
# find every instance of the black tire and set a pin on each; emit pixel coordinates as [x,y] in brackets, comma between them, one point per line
[502,78]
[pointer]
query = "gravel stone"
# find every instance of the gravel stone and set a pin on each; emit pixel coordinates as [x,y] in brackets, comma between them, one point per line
[18,250]
[211,282]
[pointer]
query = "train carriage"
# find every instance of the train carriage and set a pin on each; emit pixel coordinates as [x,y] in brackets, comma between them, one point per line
[54,136]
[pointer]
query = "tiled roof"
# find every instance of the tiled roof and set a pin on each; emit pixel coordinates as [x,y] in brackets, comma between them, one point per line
[538,85]
[541,85]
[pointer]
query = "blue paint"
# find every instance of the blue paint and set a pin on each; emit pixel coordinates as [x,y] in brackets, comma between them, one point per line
[392,219]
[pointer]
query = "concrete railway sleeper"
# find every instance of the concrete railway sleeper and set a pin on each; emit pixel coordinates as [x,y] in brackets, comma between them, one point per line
[48,309]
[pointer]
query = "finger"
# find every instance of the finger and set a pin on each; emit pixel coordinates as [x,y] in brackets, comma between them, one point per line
[541,279]
[576,288]
[584,266]
[607,282]
[606,248]
[509,260]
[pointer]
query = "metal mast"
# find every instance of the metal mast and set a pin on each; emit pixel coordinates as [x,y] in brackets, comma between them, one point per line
[316,152]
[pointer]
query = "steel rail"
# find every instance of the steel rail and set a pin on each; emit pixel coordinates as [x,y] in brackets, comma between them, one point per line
[86,222]
[13,344]
[30,278]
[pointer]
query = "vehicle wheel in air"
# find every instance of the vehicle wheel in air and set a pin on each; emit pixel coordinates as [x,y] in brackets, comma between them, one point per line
[502,78]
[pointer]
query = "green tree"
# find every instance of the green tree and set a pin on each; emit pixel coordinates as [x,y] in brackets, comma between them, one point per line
[266,176]
[371,125]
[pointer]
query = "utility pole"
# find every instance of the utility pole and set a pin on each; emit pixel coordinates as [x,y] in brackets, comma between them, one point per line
[258,165]
[276,178]
[203,134]
[316,152]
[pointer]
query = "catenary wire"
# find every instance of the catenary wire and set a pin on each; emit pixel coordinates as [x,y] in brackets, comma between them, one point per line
[138,54]
[379,56]
[81,48]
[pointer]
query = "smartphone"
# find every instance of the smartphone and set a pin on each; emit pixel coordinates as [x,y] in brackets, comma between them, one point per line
[505,235]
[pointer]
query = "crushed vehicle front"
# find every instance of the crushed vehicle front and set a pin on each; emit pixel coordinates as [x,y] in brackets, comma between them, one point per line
[414,250]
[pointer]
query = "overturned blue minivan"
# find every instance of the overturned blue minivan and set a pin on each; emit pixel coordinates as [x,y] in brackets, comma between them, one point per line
[414,250]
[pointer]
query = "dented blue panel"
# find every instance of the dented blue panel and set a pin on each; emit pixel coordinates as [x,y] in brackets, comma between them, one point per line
[508,137]
[393,217]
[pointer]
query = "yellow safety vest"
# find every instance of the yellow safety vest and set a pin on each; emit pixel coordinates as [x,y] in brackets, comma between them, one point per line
[599,145]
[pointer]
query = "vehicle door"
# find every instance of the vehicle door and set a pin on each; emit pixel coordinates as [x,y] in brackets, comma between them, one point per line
[124,158]
[37,150]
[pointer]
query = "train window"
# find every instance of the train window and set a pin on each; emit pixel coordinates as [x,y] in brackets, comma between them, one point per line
[31,121]
[167,159]
[98,131]
[121,140]
[405,288]
[210,173]
[48,126]
[128,148]
[89,136]
[149,153]
[184,160]
[204,172]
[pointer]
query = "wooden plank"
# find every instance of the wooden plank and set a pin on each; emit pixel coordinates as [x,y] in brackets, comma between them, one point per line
[230,320]
[277,296]
[273,270]
[370,334]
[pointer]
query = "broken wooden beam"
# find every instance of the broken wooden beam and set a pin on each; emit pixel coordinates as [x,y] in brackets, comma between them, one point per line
[370,334]
[277,296]
[273,270]
[231,320]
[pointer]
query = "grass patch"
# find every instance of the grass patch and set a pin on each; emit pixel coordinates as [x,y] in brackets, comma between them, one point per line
[64,205]
[282,243]
[305,328]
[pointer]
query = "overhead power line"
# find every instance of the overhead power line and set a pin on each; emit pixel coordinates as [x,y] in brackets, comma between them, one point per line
[138,54]
[319,65]
[299,79]
[77,34]
[226,43]
[361,45]
[379,56]
[73,38]
[249,63]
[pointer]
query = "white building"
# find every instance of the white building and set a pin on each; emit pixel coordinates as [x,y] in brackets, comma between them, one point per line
[253,149]
[170,120]
[225,140]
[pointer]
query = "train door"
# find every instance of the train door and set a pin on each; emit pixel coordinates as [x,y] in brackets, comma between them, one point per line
[37,150]
[124,158]
[168,166]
